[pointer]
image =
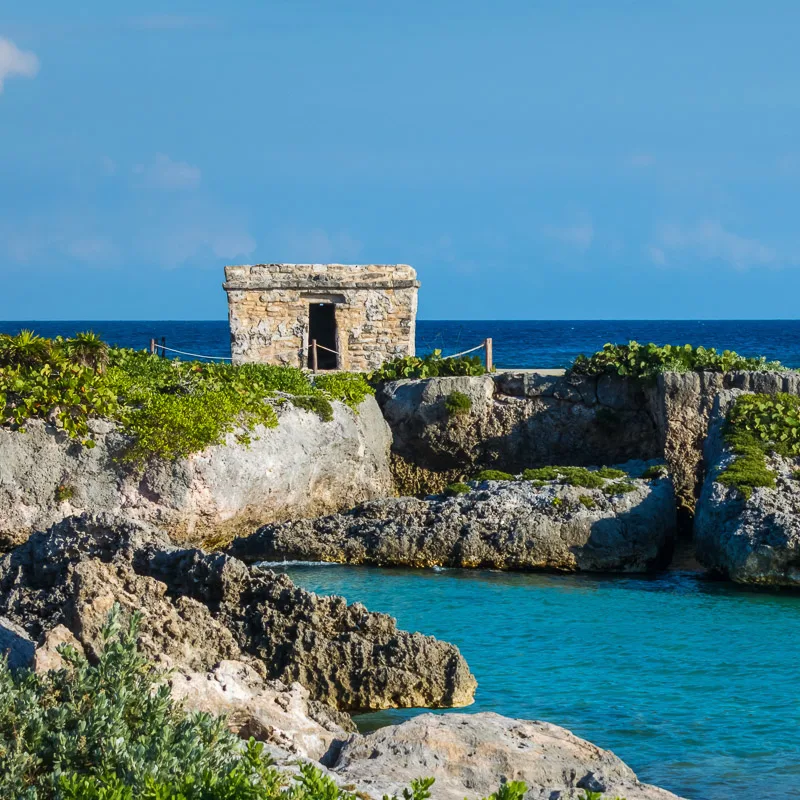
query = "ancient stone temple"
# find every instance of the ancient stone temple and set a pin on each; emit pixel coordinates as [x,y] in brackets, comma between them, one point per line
[360,315]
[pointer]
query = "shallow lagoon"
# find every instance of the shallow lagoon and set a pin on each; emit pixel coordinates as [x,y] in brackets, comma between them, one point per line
[694,683]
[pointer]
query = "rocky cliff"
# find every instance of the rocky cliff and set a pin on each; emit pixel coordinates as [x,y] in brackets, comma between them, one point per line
[303,467]
[522,419]
[622,526]
[200,609]
[755,539]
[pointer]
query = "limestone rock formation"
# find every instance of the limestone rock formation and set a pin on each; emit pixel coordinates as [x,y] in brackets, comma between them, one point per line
[469,755]
[499,524]
[304,467]
[200,609]
[754,540]
[516,420]
[283,716]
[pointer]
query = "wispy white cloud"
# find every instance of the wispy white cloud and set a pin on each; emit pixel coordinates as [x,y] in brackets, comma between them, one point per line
[14,61]
[579,235]
[164,173]
[709,240]
[169,22]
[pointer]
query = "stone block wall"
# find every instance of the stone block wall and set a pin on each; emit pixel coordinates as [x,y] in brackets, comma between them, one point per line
[268,309]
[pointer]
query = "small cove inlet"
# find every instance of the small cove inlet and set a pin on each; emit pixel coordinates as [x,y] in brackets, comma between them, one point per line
[685,678]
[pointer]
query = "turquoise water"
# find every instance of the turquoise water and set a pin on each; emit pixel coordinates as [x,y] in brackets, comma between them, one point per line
[694,683]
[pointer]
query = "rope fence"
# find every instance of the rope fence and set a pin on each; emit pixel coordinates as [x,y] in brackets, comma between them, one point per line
[313,347]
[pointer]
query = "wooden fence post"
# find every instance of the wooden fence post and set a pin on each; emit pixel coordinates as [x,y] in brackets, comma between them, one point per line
[152,347]
[488,347]
[313,355]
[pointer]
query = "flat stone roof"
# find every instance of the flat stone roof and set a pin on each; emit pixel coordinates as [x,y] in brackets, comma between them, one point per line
[316,276]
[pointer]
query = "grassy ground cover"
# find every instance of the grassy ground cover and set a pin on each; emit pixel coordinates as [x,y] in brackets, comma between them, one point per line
[170,408]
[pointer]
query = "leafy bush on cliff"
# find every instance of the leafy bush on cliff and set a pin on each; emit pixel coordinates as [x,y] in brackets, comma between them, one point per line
[170,408]
[111,731]
[756,425]
[647,361]
[457,404]
[493,475]
[430,366]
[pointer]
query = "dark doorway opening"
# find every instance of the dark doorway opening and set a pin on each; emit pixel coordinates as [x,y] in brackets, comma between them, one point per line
[322,327]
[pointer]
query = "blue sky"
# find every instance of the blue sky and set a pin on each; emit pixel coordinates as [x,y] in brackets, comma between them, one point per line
[532,160]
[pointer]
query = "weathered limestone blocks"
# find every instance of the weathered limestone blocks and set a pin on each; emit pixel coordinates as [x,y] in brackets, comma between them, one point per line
[375,309]
[303,467]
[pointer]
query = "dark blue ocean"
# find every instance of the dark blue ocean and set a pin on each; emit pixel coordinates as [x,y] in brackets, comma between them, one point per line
[517,343]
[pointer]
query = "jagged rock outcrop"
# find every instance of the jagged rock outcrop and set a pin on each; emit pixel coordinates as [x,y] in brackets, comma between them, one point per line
[525,419]
[499,524]
[200,609]
[753,540]
[469,755]
[516,420]
[303,467]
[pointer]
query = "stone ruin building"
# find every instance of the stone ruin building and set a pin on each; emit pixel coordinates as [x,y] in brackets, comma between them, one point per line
[359,314]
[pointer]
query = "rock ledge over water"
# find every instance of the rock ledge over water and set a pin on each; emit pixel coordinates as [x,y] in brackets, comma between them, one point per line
[499,524]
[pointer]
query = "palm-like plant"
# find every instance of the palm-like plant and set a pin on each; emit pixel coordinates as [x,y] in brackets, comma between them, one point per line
[87,349]
[26,349]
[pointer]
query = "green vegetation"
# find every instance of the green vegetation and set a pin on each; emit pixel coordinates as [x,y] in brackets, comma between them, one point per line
[610,472]
[457,404]
[111,731]
[169,408]
[350,388]
[655,472]
[431,366]
[619,487]
[493,475]
[796,474]
[759,424]
[647,361]
[64,492]
[558,502]
[316,403]
[455,489]
[586,501]
[573,476]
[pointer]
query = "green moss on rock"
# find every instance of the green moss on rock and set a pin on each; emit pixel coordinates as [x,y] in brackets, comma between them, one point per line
[457,404]
[455,489]
[493,475]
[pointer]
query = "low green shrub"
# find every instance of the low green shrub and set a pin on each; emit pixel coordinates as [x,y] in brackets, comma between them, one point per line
[316,403]
[112,731]
[493,475]
[64,492]
[430,366]
[351,388]
[756,425]
[619,487]
[572,476]
[796,474]
[457,404]
[654,472]
[610,472]
[558,502]
[647,361]
[455,489]
[169,408]
[586,501]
